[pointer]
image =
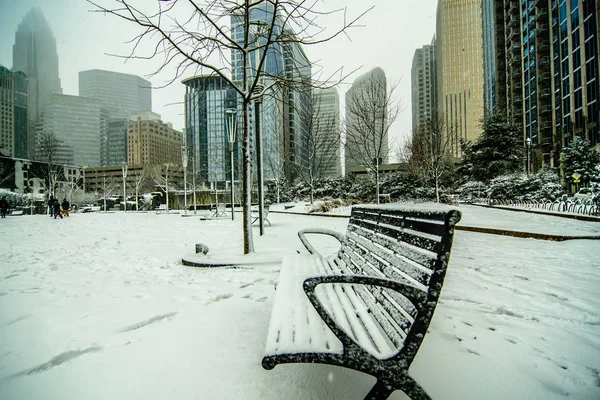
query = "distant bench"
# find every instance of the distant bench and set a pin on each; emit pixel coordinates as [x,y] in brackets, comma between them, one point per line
[368,308]
[254,214]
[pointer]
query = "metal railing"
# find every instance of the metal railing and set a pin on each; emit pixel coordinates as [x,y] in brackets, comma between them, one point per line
[570,205]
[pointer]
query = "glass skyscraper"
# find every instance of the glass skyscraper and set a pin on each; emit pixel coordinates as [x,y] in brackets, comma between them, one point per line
[121,94]
[460,78]
[283,128]
[550,54]
[79,124]
[423,84]
[206,130]
[34,54]
[13,114]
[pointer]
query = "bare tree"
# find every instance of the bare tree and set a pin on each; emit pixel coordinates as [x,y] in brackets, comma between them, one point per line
[322,142]
[107,187]
[48,152]
[162,175]
[370,111]
[204,39]
[429,150]
[138,178]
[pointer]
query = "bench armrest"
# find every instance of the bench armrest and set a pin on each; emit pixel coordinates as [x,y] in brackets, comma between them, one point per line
[338,235]
[414,295]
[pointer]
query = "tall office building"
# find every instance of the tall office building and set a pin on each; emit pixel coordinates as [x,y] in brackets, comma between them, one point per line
[151,141]
[207,129]
[328,131]
[423,84]
[13,114]
[489,56]
[459,59]
[367,96]
[121,94]
[550,53]
[283,127]
[79,124]
[115,148]
[34,54]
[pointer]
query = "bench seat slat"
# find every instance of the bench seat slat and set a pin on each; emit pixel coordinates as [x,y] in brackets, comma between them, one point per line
[288,334]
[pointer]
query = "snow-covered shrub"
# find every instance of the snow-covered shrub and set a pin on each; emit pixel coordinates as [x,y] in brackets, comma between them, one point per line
[544,185]
[15,199]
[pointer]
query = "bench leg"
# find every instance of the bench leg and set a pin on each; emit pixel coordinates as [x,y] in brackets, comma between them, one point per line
[409,386]
[379,391]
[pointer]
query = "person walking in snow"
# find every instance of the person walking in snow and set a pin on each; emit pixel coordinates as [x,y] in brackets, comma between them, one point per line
[56,207]
[3,206]
[66,207]
[51,206]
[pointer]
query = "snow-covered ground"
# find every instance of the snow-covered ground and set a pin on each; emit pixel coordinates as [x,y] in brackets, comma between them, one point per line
[98,306]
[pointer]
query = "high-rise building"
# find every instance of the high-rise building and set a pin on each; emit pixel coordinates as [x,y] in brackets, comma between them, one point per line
[366,111]
[13,114]
[206,128]
[152,141]
[34,54]
[549,50]
[79,124]
[121,94]
[459,71]
[282,124]
[489,55]
[115,151]
[328,132]
[423,84]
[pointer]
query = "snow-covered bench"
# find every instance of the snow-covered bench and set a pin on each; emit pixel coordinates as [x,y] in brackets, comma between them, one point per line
[367,308]
[161,208]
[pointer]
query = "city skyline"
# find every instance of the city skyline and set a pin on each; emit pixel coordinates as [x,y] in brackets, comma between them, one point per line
[86,50]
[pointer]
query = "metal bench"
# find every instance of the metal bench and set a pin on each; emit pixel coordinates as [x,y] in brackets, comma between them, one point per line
[367,308]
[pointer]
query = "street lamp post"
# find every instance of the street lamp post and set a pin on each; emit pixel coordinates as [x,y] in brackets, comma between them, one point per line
[124,169]
[528,143]
[231,124]
[184,162]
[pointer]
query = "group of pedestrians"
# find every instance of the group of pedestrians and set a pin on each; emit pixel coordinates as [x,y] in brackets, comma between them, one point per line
[55,208]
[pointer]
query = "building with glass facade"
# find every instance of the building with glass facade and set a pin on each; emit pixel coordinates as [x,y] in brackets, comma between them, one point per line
[367,96]
[423,84]
[34,54]
[151,141]
[489,55]
[459,69]
[328,131]
[79,124]
[115,151]
[283,128]
[206,129]
[121,94]
[551,70]
[13,114]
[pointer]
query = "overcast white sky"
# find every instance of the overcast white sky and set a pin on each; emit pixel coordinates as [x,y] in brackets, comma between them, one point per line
[391,33]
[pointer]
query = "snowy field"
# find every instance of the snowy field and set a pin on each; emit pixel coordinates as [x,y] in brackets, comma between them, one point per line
[98,306]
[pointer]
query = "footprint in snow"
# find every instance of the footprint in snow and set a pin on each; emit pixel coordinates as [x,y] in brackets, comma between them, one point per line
[223,296]
[157,318]
[58,360]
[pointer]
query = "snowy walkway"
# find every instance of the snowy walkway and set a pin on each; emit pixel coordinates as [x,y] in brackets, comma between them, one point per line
[97,306]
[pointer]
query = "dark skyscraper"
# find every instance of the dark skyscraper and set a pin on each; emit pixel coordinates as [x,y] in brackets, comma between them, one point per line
[34,53]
